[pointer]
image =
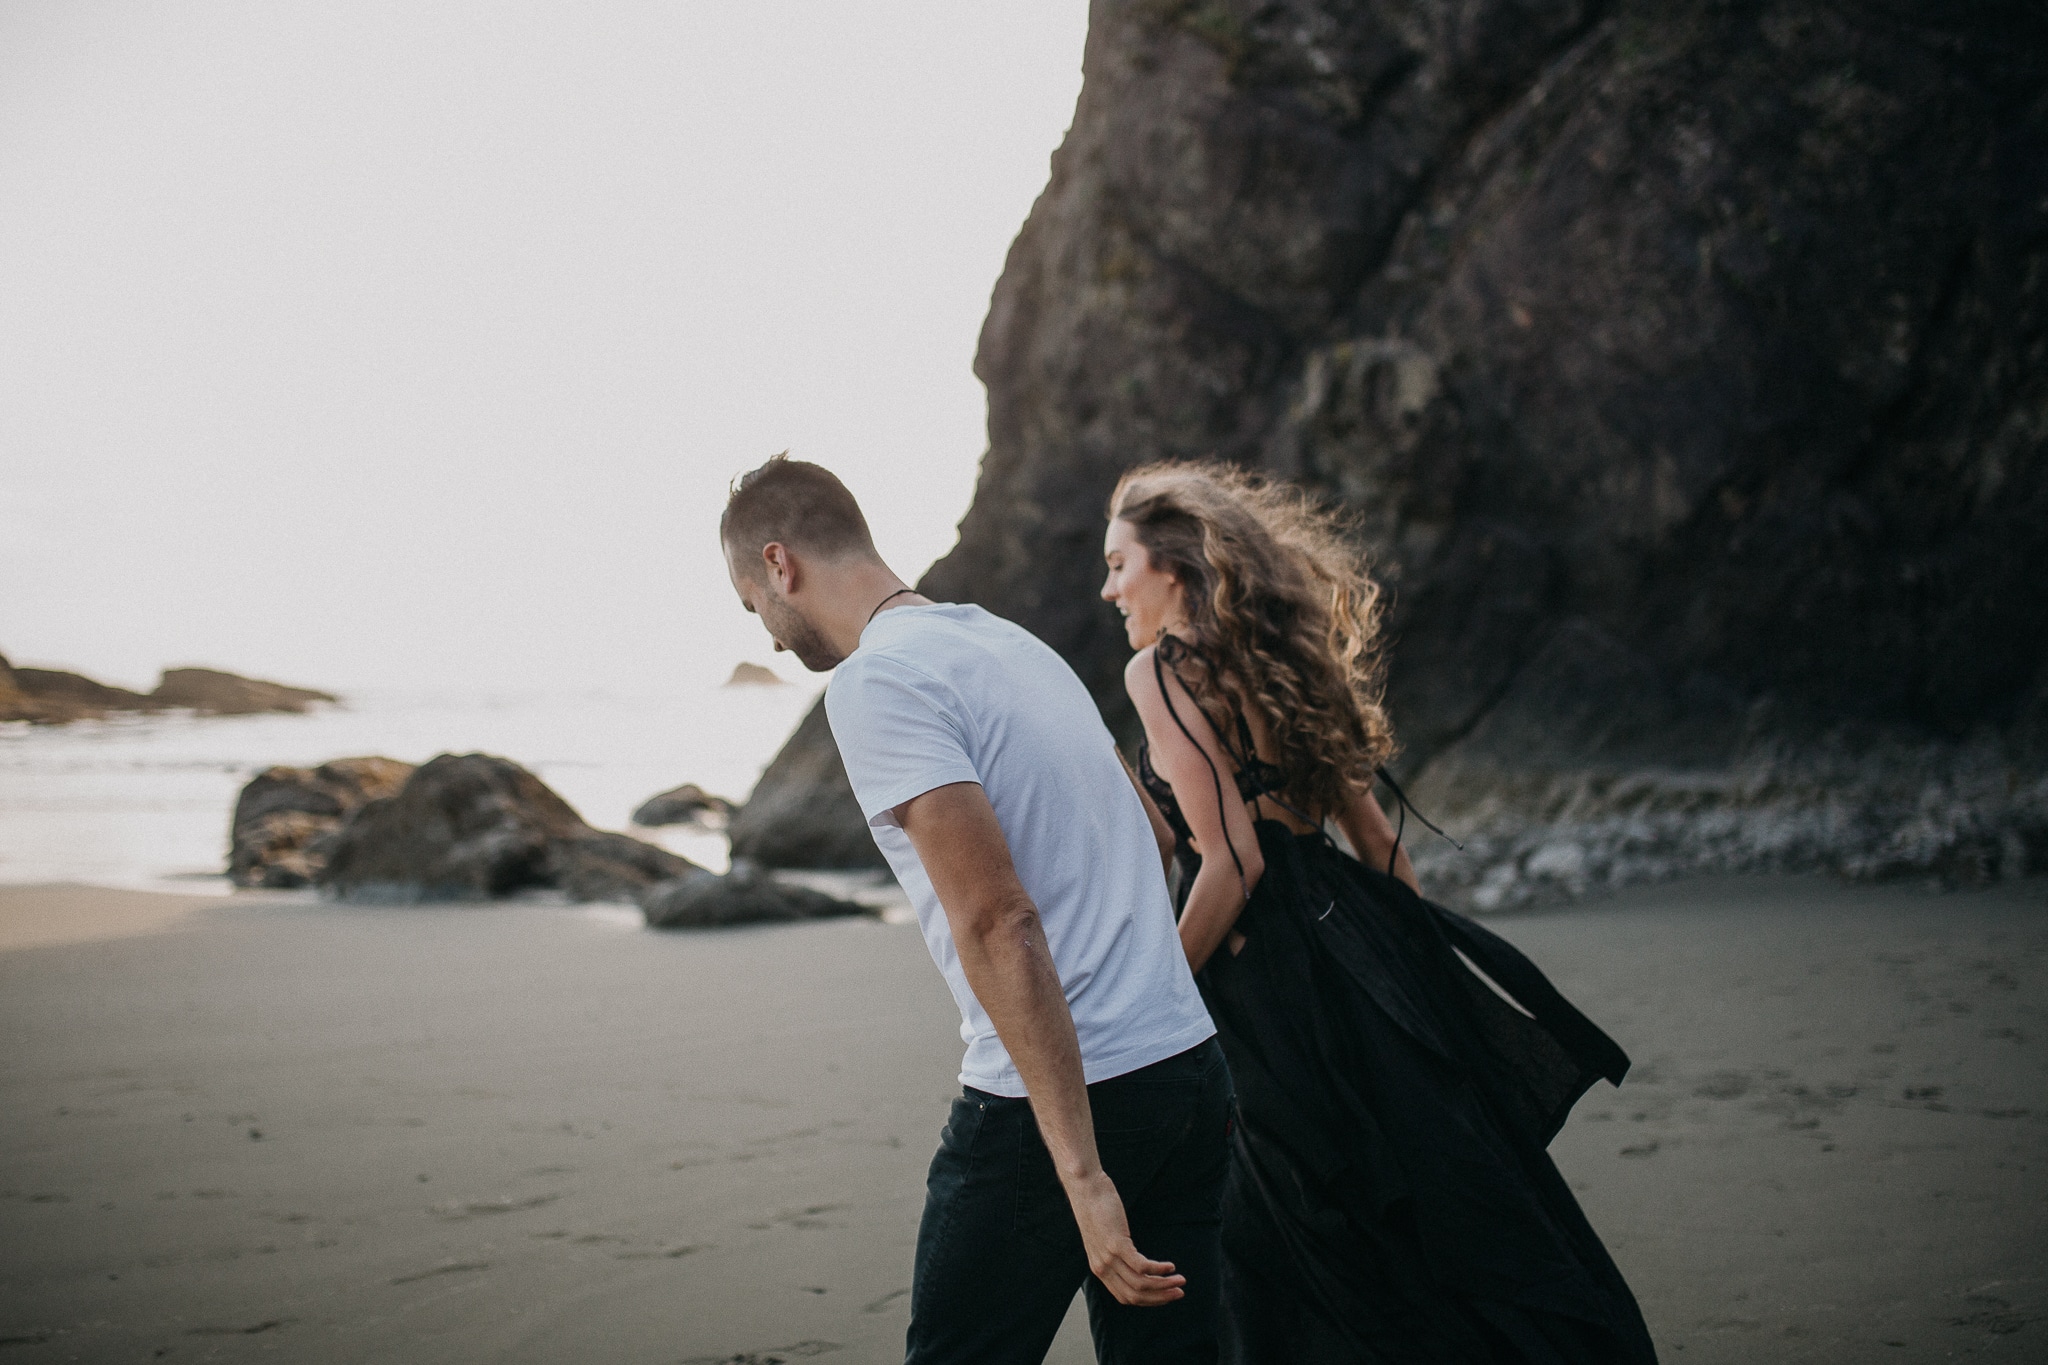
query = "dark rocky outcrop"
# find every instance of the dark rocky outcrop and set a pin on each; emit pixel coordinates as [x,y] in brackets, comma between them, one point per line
[50,696]
[802,812]
[211,692]
[746,895]
[284,817]
[688,804]
[1685,363]
[474,826]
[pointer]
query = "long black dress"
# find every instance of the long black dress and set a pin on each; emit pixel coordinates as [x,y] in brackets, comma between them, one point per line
[1390,1197]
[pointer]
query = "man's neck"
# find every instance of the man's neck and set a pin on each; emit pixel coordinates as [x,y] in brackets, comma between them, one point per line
[856,598]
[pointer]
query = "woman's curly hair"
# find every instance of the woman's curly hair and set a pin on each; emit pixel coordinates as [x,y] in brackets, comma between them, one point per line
[1282,618]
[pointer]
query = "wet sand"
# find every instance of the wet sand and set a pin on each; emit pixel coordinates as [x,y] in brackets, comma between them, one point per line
[529,1133]
[43,916]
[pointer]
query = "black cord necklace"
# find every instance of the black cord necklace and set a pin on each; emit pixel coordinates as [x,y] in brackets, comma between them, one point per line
[885,602]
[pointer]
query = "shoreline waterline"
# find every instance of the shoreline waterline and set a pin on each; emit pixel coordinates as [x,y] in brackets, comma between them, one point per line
[144,802]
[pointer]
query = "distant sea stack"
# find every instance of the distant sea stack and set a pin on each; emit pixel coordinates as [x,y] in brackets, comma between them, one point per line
[211,692]
[1686,365]
[51,696]
[753,675]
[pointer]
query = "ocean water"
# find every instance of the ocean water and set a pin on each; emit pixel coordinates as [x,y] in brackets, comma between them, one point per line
[145,801]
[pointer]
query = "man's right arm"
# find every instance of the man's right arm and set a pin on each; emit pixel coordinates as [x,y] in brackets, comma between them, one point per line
[1002,950]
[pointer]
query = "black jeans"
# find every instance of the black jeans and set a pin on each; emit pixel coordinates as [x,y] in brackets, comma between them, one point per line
[999,1255]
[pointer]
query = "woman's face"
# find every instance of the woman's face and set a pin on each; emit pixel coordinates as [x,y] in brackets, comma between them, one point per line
[1149,598]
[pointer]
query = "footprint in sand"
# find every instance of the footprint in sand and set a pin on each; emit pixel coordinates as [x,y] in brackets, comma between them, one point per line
[458,1211]
[257,1329]
[588,1239]
[662,1254]
[801,1218]
[774,1355]
[453,1268]
[1723,1085]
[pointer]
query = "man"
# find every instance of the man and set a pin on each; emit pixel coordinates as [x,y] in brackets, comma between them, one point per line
[1090,1131]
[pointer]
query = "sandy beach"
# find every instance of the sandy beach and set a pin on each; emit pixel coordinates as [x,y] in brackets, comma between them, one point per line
[279,1128]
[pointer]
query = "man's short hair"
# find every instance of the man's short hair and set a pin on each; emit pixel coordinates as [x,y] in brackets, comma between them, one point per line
[802,505]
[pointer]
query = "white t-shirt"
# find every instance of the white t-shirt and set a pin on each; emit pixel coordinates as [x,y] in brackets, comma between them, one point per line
[942,694]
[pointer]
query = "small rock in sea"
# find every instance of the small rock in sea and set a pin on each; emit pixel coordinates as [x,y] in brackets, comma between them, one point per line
[754,675]
[475,826]
[745,895]
[688,804]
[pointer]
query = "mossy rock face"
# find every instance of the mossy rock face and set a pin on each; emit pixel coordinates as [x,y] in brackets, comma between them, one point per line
[1685,364]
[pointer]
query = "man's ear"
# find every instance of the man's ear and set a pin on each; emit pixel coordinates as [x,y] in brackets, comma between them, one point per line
[780,567]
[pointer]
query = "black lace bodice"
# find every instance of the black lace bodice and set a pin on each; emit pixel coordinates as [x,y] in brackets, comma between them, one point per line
[1254,777]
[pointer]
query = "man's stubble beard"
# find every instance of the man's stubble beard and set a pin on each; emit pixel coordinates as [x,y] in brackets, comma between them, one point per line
[799,637]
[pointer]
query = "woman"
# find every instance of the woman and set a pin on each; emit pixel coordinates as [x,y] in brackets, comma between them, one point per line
[1390,1195]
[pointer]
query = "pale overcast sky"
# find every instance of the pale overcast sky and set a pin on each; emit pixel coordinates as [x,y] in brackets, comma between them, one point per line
[415,343]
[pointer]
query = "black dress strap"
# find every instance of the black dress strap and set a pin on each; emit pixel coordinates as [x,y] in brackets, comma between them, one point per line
[1401,798]
[1159,671]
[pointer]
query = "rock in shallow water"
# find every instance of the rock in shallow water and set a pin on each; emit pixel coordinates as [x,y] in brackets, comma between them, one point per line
[284,816]
[475,826]
[688,804]
[745,895]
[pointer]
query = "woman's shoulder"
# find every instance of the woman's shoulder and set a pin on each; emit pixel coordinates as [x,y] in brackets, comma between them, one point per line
[1143,675]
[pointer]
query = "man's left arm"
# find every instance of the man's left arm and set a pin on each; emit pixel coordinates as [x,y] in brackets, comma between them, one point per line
[1001,943]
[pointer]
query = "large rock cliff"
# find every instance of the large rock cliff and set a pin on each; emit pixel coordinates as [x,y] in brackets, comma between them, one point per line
[1686,363]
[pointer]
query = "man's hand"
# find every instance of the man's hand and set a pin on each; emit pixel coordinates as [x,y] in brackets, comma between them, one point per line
[1116,1262]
